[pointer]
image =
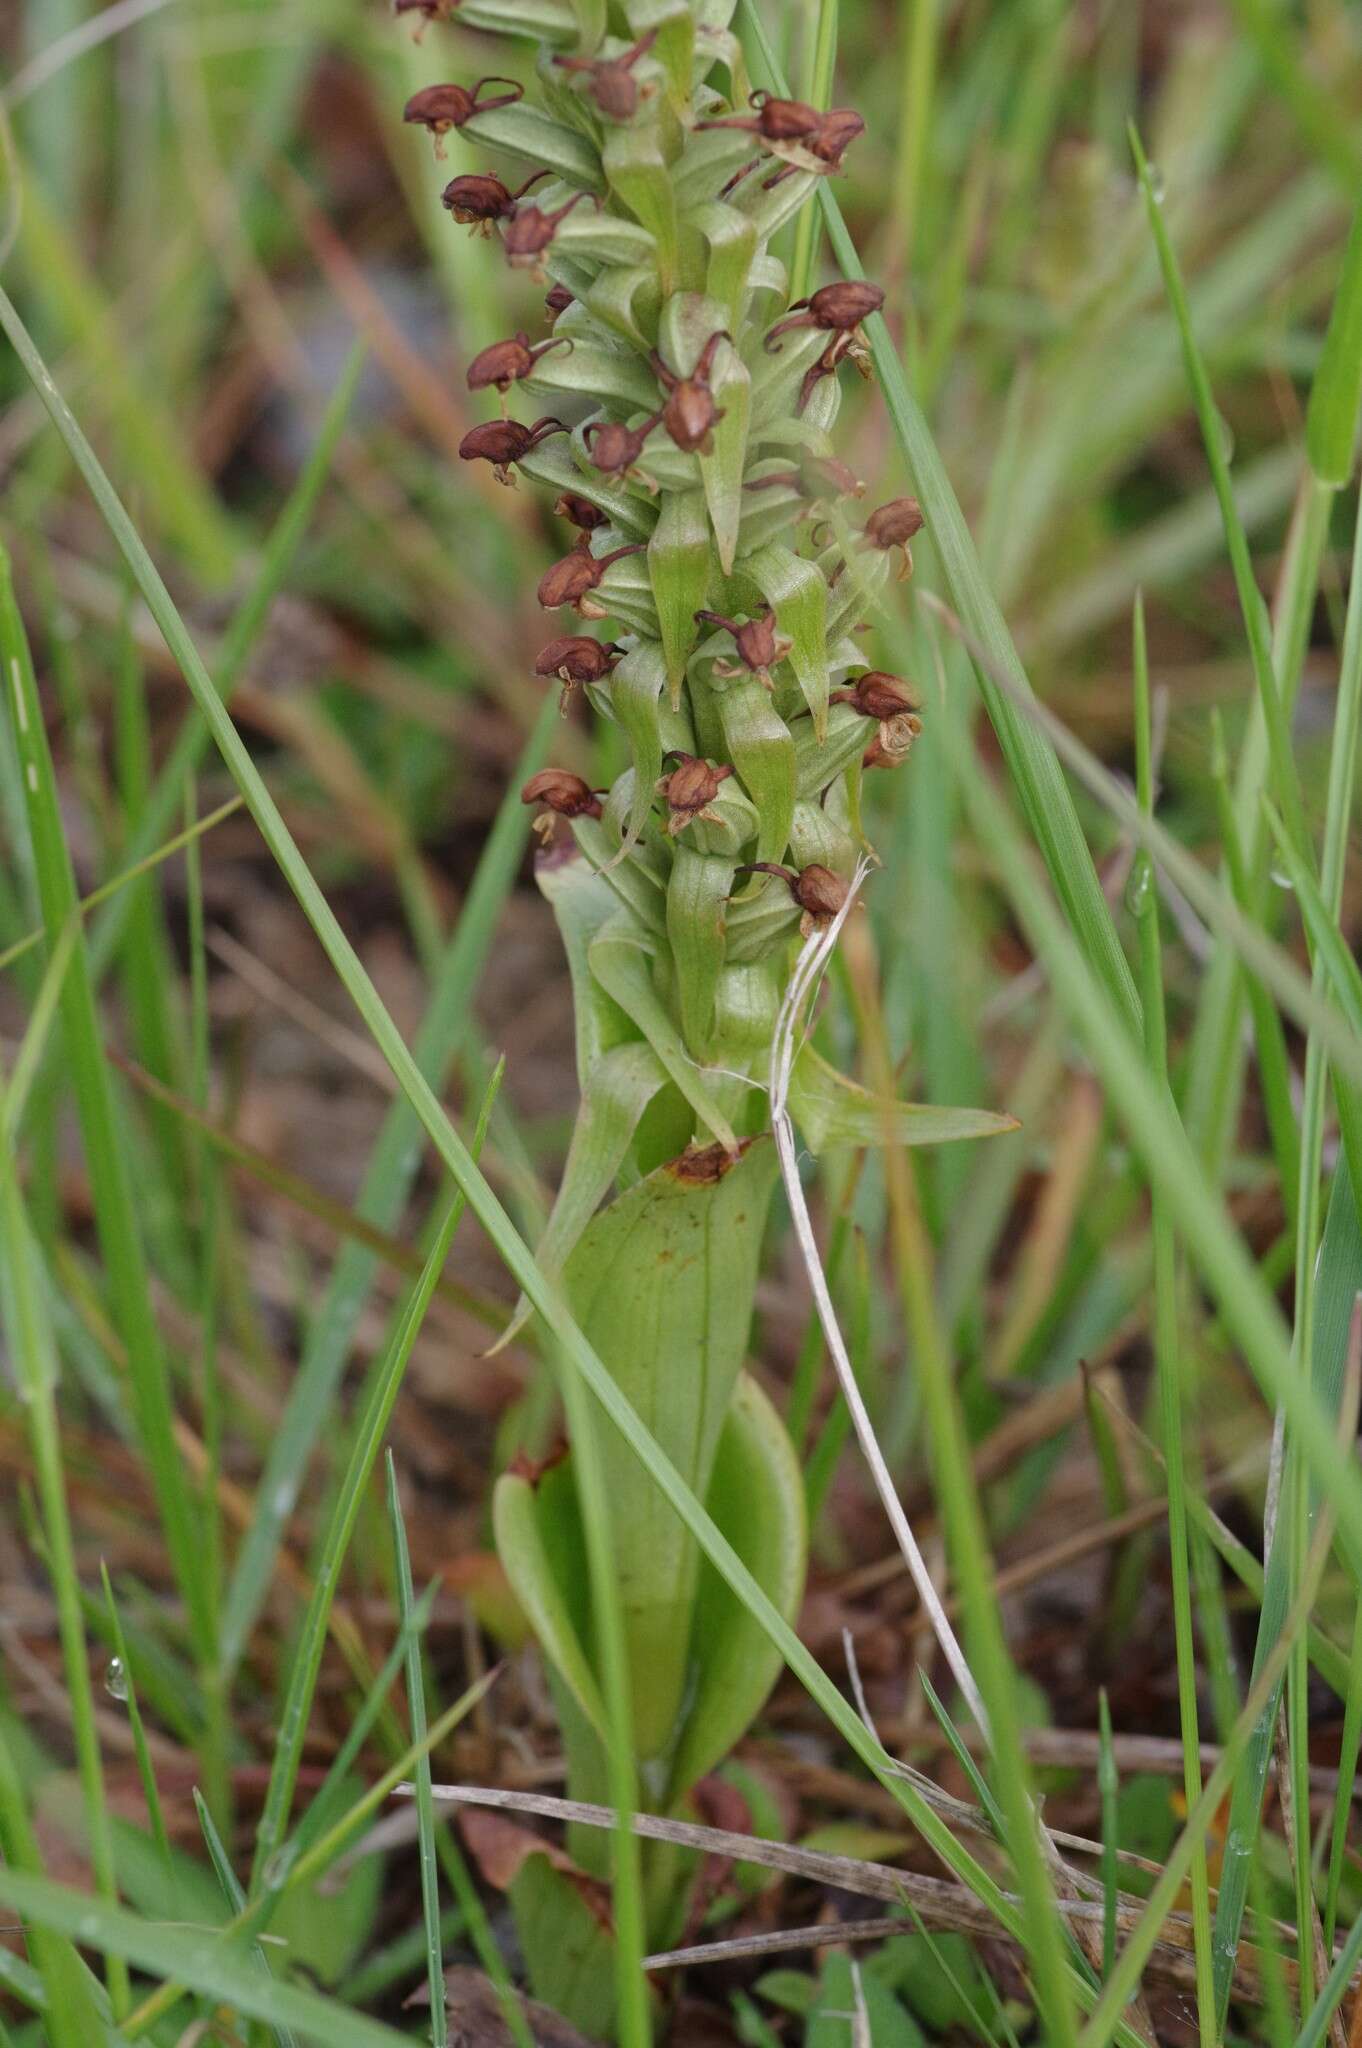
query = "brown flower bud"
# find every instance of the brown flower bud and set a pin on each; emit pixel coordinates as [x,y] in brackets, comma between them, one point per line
[438,108]
[577,659]
[690,412]
[837,307]
[478,198]
[557,299]
[531,231]
[611,80]
[894,525]
[760,646]
[505,361]
[877,695]
[582,513]
[776,120]
[562,792]
[613,447]
[690,788]
[893,741]
[819,893]
[570,581]
[502,442]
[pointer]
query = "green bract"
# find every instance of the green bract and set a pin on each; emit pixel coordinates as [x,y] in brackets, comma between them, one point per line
[688,418]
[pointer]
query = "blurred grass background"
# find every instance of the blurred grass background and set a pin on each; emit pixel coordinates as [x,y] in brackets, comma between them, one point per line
[207,207]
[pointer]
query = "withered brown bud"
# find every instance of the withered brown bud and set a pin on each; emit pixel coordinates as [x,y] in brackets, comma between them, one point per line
[572,579]
[690,788]
[557,299]
[529,233]
[775,121]
[505,361]
[562,792]
[826,366]
[819,893]
[478,198]
[894,525]
[582,513]
[611,79]
[893,741]
[838,129]
[613,447]
[577,659]
[690,413]
[877,695]
[438,108]
[502,442]
[836,307]
[760,646]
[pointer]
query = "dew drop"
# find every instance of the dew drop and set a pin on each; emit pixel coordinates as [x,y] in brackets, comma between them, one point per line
[1157,188]
[1281,879]
[116,1678]
[1139,885]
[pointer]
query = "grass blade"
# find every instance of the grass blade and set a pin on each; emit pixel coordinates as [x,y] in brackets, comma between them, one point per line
[425,1805]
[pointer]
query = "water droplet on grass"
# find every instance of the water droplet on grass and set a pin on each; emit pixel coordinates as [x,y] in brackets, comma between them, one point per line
[1140,885]
[116,1678]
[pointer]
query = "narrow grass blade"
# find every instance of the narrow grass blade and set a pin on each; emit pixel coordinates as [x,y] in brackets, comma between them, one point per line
[115,1209]
[1040,782]
[1108,1790]
[70,2019]
[236,1898]
[307,1654]
[817,92]
[145,1769]
[1336,393]
[425,1805]
[383,1193]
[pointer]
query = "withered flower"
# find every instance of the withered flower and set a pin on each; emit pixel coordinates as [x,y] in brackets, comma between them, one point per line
[502,442]
[478,198]
[615,448]
[819,893]
[893,526]
[505,361]
[690,789]
[438,108]
[563,795]
[557,298]
[530,231]
[577,659]
[760,646]
[582,513]
[838,129]
[572,580]
[690,414]
[877,695]
[826,366]
[893,742]
[839,308]
[775,120]
[611,80]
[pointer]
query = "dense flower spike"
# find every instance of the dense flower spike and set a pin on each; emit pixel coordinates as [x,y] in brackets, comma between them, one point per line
[711,532]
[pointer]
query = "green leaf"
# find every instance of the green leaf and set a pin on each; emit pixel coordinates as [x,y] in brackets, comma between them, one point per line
[539,1541]
[844,1991]
[662,1283]
[816,835]
[797,594]
[680,565]
[524,132]
[551,463]
[757,741]
[604,238]
[732,243]
[587,370]
[582,904]
[756,1495]
[697,900]
[816,765]
[636,165]
[831,1110]
[620,960]
[567,1947]
[627,301]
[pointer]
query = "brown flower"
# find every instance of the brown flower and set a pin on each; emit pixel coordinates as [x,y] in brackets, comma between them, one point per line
[690,413]
[819,893]
[837,307]
[893,741]
[582,513]
[880,696]
[577,658]
[690,789]
[775,120]
[615,448]
[438,108]
[564,793]
[505,361]
[531,230]
[557,299]
[478,198]
[611,80]
[760,646]
[893,526]
[573,579]
[502,442]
